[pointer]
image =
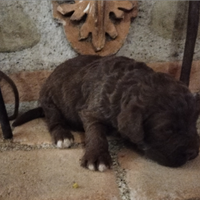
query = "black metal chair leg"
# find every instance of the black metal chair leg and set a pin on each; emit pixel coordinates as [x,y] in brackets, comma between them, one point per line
[192,29]
[5,125]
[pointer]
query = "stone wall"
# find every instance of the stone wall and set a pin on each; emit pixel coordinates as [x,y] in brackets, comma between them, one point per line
[32,43]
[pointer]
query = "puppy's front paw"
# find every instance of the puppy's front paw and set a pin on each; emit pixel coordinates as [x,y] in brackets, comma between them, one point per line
[62,138]
[100,161]
[66,143]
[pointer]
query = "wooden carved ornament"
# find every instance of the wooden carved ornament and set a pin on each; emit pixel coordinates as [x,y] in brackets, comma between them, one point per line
[96,27]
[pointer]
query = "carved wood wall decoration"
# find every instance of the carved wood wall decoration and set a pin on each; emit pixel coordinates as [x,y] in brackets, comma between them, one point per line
[96,27]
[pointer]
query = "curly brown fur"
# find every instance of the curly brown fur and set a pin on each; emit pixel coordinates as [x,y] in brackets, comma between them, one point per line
[101,94]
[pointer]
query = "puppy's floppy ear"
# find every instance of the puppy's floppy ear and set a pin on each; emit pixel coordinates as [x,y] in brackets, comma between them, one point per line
[130,123]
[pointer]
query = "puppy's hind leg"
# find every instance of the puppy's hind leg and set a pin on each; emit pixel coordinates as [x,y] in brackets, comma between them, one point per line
[96,155]
[58,127]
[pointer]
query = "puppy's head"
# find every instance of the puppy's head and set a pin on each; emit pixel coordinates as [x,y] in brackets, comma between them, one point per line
[163,127]
[170,135]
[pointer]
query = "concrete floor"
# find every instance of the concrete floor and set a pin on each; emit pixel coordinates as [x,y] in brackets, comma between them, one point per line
[32,168]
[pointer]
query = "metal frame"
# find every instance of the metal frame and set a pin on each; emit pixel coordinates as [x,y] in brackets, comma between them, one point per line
[192,29]
[5,125]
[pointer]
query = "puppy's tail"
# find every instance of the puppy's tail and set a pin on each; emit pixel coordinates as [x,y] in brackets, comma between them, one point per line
[28,116]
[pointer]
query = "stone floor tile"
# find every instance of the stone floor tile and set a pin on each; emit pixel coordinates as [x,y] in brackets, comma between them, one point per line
[148,180]
[35,132]
[31,133]
[50,175]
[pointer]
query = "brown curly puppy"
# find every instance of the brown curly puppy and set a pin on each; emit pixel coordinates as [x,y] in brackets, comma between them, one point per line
[100,94]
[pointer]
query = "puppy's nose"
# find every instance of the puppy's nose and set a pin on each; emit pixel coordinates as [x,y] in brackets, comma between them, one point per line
[192,153]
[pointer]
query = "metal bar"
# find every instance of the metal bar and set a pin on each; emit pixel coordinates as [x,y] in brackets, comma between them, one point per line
[192,29]
[5,125]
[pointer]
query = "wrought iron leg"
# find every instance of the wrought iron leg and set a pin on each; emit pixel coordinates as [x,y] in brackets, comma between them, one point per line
[5,125]
[192,28]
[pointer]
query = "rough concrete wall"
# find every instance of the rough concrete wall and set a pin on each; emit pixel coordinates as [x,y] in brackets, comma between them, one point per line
[157,34]
[50,50]
[159,31]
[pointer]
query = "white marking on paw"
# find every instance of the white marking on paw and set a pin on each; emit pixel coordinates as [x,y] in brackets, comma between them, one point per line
[102,167]
[59,144]
[67,143]
[91,167]
[64,144]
